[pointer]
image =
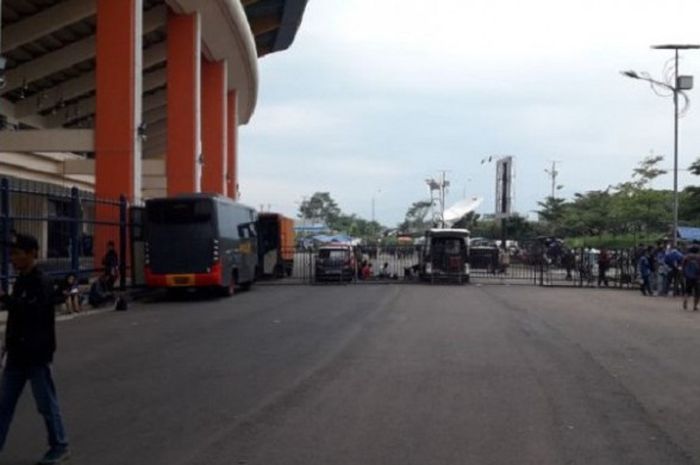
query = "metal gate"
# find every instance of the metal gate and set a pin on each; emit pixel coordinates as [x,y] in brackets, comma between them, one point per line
[400,264]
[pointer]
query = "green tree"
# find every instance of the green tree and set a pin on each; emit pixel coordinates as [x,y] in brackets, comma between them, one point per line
[695,167]
[689,210]
[589,214]
[552,210]
[415,219]
[320,206]
[647,170]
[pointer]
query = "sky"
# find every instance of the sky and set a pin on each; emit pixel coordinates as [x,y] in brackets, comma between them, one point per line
[375,96]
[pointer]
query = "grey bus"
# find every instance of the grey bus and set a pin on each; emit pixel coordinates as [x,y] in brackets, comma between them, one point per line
[200,240]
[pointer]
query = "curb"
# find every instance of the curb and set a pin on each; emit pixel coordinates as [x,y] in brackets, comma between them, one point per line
[131,296]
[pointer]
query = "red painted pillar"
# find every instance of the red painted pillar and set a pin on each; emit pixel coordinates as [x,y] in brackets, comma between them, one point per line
[232,146]
[184,118]
[118,112]
[214,116]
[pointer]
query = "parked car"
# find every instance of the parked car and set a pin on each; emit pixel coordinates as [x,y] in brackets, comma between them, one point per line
[445,255]
[335,262]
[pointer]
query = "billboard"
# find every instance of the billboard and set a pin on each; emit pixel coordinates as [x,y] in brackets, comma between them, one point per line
[504,187]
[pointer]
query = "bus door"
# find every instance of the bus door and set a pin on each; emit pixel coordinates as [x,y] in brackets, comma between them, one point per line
[248,248]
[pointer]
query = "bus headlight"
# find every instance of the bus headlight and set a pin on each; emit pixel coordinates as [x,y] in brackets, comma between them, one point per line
[428,268]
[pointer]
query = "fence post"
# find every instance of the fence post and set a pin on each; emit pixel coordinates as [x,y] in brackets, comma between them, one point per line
[5,233]
[75,231]
[122,241]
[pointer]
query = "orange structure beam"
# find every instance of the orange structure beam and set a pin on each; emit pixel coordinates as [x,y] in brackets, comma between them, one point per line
[118,42]
[118,97]
[232,146]
[214,115]
[183,74]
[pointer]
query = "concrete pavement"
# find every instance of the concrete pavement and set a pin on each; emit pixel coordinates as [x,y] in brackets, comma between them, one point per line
[380,375]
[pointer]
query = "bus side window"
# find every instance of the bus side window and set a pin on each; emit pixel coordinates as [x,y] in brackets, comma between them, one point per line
[251,230]
[227,221]
[247,230]
[243,231]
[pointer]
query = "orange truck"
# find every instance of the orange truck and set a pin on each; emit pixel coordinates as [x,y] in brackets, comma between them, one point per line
[276,245]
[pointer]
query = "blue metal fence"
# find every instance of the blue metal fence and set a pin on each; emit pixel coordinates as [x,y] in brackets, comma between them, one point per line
[66,222]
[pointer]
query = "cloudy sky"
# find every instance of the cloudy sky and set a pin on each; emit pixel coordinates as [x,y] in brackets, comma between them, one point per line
[381,94]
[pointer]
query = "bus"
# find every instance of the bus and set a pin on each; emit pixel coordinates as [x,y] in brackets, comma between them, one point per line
[200,241]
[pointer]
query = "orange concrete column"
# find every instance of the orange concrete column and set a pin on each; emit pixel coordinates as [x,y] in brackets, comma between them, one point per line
[118,98]
[118,113]
[183,169]
[214,116]
[232,146]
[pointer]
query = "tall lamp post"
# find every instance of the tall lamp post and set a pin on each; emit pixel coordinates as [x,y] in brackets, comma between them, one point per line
[680,84]
[374,195]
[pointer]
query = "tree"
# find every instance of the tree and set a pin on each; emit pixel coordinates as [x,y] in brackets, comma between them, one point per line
[415,217]
[648,170]
[320,206]
[695,167]
[690,198]
[552,209]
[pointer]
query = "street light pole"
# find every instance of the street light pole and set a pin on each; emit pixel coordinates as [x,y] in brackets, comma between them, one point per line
[677,89]
[675,155]
[679,85]
[374,201]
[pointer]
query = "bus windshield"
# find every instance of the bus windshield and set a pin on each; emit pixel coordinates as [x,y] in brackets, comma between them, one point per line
[180,212]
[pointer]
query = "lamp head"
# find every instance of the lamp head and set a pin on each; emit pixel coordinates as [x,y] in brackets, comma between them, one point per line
[630,74]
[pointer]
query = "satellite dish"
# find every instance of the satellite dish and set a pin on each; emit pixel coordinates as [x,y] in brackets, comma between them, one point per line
[461,208]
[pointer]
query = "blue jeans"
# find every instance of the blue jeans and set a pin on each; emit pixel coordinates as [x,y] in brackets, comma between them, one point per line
[13,380]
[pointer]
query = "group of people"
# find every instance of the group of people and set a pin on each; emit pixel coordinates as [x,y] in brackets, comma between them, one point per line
[666,270]
[101,290]
[366,271]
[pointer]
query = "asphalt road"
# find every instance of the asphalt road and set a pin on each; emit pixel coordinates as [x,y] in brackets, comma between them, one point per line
[379,375]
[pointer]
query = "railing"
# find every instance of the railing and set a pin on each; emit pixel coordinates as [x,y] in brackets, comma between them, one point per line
[71,226]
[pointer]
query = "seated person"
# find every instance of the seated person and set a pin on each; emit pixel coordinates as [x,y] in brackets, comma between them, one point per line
[99,292]
[384,272]
[367,271]
[70,293]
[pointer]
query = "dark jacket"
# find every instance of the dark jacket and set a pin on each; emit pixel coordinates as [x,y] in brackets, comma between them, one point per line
[110,262]
[30,336]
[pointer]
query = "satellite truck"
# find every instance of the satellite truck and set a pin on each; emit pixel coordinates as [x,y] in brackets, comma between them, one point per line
[445,253]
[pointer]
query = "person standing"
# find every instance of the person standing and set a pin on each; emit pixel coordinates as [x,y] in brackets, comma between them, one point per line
[691,273]
[673,259]
[603,265]
[110,263]
[30,343]
[661,270]
[644,265]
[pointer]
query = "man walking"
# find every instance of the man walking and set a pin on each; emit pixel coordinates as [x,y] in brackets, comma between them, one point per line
[691,273]
[30,342]
[673,259]
[644,266]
